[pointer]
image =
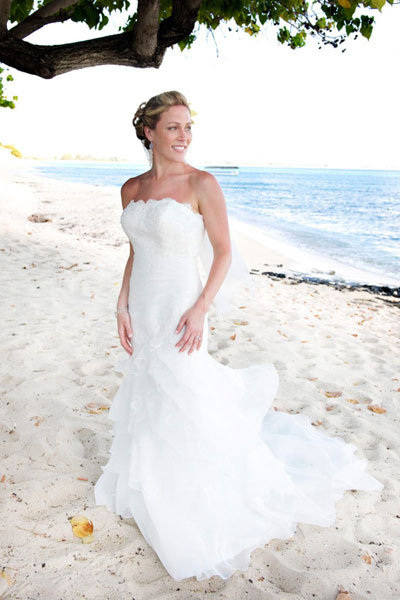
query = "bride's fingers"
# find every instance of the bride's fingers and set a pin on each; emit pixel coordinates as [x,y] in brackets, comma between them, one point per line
[126,343]
[187,340]
[129,339]
[183,338]
[180,324]
[126,347]
[181,341]
[198,342]
[194,342]
[183,348]
[125,337]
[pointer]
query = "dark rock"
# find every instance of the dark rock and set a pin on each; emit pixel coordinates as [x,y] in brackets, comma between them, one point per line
[381,290]
[272,274]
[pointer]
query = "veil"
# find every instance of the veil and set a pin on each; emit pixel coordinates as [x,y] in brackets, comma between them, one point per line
[237,281]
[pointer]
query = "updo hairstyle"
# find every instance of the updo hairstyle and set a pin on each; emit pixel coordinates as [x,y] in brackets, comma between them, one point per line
[149,112]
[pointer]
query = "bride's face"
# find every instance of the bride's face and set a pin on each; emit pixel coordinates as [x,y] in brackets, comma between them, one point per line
[172,134]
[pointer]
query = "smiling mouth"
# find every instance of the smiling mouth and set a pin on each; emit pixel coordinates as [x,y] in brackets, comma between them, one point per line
[179,148]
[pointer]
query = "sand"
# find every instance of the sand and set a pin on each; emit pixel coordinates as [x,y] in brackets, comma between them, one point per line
[59,285]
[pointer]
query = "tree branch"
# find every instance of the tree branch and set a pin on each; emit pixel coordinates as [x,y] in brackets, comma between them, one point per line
[146,27]
[5,6]
[50,61]
[56,11]
[53,7]
[180,24]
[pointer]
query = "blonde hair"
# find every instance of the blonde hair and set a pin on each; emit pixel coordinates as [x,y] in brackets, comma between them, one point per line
[150,112]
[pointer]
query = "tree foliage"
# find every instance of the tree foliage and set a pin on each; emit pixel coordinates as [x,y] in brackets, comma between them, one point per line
[154,25]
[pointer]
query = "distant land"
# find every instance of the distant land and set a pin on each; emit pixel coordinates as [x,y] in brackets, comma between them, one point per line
[134,161]
[229,164]
[90,157]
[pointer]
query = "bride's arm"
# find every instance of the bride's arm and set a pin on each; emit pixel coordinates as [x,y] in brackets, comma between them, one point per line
[128,191]
[124,321]
[124,293]
[212,205]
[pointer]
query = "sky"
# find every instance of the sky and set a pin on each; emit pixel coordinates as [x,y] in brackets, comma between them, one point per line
[257,101]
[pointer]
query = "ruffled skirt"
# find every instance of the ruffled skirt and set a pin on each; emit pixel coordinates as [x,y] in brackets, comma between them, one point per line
[206,469]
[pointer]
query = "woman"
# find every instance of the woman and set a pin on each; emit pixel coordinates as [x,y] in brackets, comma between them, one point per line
[207,472]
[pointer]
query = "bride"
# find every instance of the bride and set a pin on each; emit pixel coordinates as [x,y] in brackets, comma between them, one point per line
[206,470]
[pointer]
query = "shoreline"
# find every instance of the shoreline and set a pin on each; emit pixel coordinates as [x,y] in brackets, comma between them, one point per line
[288,259]
[305,262]
[264,254]
[255,245]
[282,263]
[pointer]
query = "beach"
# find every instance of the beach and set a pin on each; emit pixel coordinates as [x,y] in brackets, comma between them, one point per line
[336,350]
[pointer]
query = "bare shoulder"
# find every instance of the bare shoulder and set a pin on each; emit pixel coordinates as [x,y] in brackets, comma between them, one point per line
[130,189]
[207,190]
[204,182]
[205,186]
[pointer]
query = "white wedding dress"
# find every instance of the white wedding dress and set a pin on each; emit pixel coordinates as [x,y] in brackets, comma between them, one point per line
[206,470]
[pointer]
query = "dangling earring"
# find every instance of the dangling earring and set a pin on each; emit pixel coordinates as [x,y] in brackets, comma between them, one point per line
[151,145]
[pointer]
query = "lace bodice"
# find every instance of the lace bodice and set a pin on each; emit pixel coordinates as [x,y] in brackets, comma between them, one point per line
[163,228]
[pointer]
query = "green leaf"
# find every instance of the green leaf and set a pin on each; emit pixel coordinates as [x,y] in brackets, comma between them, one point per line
[20,9]
[366,26]
[378,4]
[283,35]
[187,42]
[4,101]
[366,31]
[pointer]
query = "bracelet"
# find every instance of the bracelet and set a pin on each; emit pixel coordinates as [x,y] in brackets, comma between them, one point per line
[120,310]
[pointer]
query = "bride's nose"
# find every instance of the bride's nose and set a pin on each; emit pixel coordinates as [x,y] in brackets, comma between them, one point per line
[181,135]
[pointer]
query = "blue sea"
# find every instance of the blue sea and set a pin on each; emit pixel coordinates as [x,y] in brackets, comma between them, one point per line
[342,222]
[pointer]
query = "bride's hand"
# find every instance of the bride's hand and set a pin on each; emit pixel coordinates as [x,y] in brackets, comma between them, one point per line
[125,331]
[194,321]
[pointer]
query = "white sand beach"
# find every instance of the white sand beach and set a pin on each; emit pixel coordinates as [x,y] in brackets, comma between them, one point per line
[338,357]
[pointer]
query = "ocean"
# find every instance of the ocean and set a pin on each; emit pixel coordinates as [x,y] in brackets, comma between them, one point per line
[339,223]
